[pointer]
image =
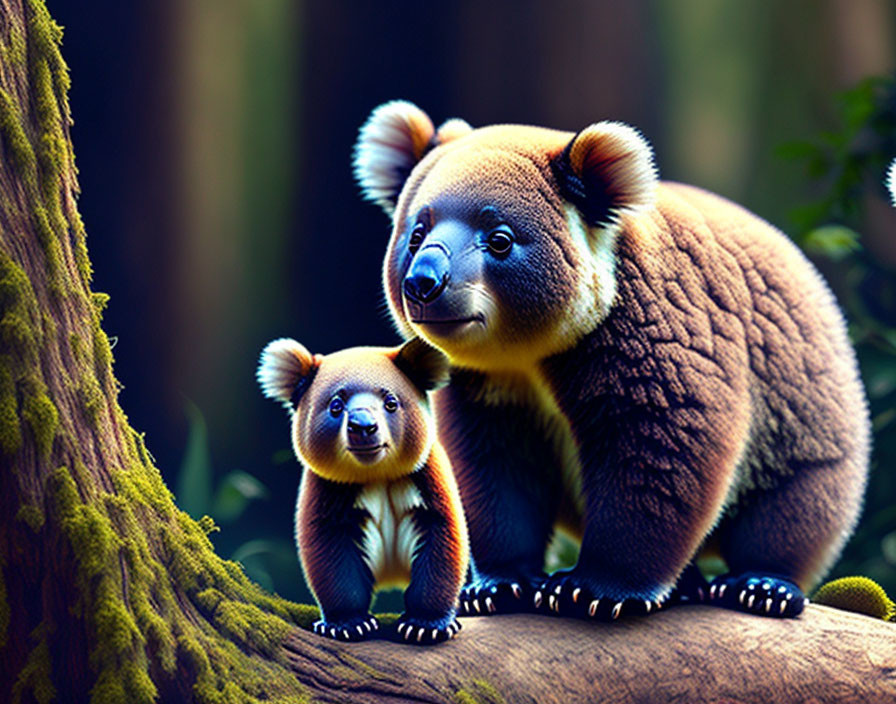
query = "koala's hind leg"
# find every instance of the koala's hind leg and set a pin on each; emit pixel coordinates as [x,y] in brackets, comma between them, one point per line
[781,540]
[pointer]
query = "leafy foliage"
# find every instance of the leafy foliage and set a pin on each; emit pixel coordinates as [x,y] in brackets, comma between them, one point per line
[847,170]
[270,562]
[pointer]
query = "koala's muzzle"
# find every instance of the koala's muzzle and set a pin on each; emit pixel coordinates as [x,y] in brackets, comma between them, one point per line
[361,427]
[428,275]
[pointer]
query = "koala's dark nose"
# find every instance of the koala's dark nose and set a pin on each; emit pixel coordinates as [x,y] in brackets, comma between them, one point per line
[427,276]
[361,424]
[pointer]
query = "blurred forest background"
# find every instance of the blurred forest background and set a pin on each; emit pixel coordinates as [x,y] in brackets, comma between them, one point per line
[214,137]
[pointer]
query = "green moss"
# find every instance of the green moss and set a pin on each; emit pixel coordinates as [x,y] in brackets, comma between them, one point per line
[479,692]
[207,524]
[92,399]
[102,350]
[10,430]
[32,516]
[41,414]
[19,320]
[14,49]
[34,682]
[15,141]
[304,615]
[859,594]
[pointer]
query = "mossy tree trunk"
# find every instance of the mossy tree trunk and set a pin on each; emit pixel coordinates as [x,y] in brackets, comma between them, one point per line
[109,593]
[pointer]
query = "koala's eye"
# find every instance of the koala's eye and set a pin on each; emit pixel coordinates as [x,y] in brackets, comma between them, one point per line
[500,242]
[417,235]
[336,407]
[390,403]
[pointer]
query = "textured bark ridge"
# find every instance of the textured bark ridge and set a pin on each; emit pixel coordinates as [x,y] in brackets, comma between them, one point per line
[109,593]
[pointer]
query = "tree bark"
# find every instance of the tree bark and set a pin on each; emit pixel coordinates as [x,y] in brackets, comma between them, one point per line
[109,593]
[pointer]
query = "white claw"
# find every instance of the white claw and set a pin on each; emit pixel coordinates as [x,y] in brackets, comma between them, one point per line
[517,591]
[743,595]
[750,601]
[401,627]
[768,605]
[435,633]
[659,602]
[575,594]
[552,602]
[712,592]
[722,590]
[368,626]
[345,634]
[592,607]
[783,607]
[648,605]
[617,608]
[805,602]
[476,606]
[558,589]
[490,605]
[466,607]
[537,599]
[420,634]
[376,625]
[360,631]
[333,632]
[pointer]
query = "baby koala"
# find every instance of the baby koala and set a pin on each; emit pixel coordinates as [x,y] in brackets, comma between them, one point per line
[378,504]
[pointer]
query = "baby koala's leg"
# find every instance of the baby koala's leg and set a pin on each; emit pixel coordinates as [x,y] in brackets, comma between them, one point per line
[440,557]
[328,532]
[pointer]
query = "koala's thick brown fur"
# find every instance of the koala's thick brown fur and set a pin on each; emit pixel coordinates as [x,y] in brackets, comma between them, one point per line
[643,363]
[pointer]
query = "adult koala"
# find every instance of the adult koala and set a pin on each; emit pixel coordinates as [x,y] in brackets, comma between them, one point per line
[644,364]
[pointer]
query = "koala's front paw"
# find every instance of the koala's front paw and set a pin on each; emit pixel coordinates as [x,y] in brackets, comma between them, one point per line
[489,594]
[756,593]
[570,593]
[421,631]
[353,629]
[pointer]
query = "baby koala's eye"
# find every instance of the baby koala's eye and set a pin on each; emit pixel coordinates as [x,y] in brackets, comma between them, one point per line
[336,407]
[390,403]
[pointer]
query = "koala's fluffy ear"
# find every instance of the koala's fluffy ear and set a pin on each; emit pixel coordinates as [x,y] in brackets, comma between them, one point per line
[606,169]
[394,138]
[427,367]
[286,370]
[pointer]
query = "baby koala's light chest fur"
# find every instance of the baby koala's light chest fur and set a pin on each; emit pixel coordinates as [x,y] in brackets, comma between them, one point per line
[389,531]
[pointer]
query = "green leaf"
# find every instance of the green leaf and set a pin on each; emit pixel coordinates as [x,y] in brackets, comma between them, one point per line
[234,493]
[835,242]
[194,481]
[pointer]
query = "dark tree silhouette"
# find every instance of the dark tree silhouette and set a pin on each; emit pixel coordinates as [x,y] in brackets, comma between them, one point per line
[109,593]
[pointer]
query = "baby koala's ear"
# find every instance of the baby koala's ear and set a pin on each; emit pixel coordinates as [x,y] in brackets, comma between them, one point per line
[285,371]
[427,367]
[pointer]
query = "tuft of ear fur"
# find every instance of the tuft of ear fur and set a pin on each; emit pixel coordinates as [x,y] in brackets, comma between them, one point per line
[427,367]
[391,142]
[285,371]
[605,170]
[452,129]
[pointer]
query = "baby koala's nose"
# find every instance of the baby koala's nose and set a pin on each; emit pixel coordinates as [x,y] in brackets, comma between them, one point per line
[361,424]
